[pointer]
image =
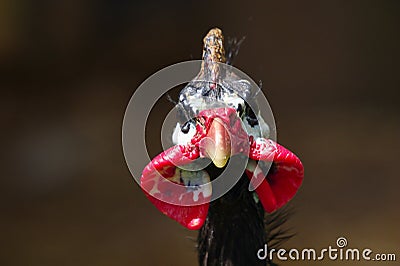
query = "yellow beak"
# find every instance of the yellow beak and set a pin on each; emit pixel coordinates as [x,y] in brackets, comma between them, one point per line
[218,148]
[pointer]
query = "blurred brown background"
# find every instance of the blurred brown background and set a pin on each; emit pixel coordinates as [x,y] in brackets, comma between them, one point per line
[330,70]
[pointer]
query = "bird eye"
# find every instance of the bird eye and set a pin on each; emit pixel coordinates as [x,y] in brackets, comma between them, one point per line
[182,134]
[186,127]
[239,110]
[251,117]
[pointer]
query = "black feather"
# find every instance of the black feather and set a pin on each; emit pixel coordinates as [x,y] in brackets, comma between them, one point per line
[237,227]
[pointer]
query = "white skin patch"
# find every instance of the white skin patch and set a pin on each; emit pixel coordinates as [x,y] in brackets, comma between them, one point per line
[198,104]
[196,182]
[232,100]
[180,138]
[255,167]
[261,130]
[258,131]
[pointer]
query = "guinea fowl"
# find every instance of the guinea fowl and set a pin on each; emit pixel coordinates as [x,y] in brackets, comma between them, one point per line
[215,106]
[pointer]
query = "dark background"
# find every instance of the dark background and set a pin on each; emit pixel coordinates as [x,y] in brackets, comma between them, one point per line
[330,70]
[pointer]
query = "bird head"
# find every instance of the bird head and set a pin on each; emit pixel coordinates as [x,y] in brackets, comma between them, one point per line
[218,120]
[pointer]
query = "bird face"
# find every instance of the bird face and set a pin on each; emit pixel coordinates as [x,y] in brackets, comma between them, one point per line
[217,121]
[217,132]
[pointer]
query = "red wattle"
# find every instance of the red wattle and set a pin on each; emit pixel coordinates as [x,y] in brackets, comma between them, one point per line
[162,184]
[284,178]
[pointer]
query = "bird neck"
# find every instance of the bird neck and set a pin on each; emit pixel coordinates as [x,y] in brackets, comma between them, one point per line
[234,229]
